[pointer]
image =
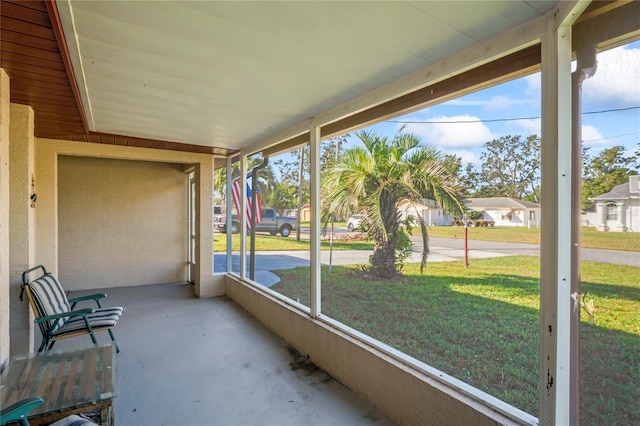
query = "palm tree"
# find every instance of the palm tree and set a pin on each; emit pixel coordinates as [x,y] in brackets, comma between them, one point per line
[374,178]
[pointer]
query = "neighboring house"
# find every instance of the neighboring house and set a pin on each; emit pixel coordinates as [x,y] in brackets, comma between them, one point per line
[619,209]
[506,211]
[305,213]
[430,211]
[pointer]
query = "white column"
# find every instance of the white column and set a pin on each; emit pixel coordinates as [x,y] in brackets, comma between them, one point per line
[600,213]
[621,226]
[242,217]
[555,277]
[4,216]
[315,230]
[207,285]
[228,213]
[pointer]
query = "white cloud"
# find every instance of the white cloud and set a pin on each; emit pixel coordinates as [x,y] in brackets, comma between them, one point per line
[534,84]
[591,136]
[498,102]
[447,133]
[466,157]
[616,79]
[532,126]
[465,102]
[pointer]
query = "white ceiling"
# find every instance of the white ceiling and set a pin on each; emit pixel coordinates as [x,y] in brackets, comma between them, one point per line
[229,74]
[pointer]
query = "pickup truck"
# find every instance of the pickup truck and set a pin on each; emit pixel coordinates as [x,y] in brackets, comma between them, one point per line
[271,223]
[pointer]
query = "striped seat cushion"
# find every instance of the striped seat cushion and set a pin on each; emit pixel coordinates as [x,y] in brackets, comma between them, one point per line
[73,420]
[103,317]
[50,299]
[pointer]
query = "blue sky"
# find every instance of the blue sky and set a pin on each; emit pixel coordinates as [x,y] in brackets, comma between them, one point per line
[616,85]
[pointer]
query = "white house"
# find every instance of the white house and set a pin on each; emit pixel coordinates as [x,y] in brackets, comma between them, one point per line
[506,211]
[619,209]
[429,210]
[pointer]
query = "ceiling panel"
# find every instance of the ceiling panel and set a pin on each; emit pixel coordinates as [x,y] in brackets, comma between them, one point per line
[228,74]
[208,76]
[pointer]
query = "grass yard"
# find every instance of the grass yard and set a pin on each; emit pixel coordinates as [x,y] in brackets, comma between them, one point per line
[481,325]
[277,243]
[626,241]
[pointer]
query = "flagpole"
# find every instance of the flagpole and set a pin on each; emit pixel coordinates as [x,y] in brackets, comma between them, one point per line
[254,186]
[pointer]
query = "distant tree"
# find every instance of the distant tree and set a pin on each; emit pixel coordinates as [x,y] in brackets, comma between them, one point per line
[469,181]
[604,171]
[289,166]
[510,167]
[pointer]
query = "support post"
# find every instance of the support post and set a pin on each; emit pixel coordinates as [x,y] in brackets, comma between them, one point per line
[4,216]
[22,209]
[314,295]
[242,217]
[556,252]
[229,197]
[300,170]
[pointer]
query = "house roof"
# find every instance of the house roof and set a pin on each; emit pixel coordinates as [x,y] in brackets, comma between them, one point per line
[219,77]
[621,192]
[423,204]
[498,203]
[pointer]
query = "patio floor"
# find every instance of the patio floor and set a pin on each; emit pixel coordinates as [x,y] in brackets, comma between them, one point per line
[189,361]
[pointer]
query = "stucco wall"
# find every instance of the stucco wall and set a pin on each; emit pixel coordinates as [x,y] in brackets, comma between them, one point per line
[121,222]
[402,392]
[47,153]
[22,223]
[4,216]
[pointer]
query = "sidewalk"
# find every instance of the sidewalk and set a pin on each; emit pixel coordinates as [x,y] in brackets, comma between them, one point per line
[267,261]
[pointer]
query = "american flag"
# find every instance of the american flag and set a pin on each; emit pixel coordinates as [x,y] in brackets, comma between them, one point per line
[235,195]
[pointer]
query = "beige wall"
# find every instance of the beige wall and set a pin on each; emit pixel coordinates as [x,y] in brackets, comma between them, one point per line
[402,392]
[49,225]
[4,216]
[22,223]
[121,222]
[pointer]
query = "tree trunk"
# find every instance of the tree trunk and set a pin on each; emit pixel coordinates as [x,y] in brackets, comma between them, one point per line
[383,259]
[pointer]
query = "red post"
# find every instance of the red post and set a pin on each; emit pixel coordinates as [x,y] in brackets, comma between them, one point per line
[466,247]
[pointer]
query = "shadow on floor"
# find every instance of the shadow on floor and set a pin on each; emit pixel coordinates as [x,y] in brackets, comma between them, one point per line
[189,361]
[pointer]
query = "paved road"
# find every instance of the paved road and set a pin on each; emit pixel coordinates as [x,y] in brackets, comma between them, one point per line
[615,257]
[442,249]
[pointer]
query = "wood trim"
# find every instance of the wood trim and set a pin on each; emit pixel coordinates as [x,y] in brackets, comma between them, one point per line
[56,25]
[287,145]
[32,61]
[28,40]
[24,13]
[24,27]
[31,51]
[516,65]
[614,26]
[29,4]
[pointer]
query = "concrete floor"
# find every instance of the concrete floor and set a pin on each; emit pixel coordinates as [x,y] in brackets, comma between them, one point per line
[189,361]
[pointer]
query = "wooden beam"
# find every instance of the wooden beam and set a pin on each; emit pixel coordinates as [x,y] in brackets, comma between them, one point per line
[56,24]
[516,65]
[610,28]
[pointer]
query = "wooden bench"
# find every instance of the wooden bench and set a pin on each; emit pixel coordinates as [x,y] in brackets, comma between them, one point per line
[73,382]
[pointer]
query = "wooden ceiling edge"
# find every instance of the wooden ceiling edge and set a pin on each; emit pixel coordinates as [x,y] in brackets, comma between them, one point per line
[176,146]
[56,25]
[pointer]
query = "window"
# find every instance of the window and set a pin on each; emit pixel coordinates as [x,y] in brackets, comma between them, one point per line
[611,212]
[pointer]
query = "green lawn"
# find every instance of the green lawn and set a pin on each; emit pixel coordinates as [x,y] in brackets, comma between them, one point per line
[626,241]
[277,243]
[481,325]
